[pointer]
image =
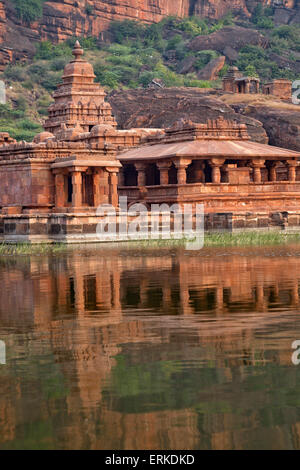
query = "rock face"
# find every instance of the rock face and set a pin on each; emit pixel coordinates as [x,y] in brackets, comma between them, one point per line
[281,125]
[219,8]
[66,18]
[161,108]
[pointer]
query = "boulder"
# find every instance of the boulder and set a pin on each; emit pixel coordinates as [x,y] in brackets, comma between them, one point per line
[234,37]
[212,69]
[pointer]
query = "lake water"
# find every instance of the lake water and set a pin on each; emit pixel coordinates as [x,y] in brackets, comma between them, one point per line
[150,349]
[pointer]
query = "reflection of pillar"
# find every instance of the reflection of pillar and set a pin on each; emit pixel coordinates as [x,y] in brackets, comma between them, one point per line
[292,170]
[295,293]
[219,298]
[141,169]
[257,166]
[77,188]
[164,172]
[143,293]
[216,170]
[79,293]
[116,290]
[167,295]
[59,189]
[185,301]
[260,298]
[103,290]
[181,166]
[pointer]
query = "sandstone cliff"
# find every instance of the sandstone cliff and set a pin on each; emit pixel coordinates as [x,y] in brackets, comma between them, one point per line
[64,18]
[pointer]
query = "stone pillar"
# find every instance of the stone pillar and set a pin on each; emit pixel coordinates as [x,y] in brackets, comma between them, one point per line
[216,170]
[181,166]
[164,172]
[59,189]
[257,166]
[113,186]
[77,187]
[272,171]
[141,169]
[100,187]
[292,164]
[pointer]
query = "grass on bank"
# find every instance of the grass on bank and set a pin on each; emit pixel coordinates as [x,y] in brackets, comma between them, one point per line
[242,239]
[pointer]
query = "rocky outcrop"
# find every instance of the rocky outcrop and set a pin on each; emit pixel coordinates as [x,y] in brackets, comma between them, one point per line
[282,125]
[161,108]
[228,41]
[212,69]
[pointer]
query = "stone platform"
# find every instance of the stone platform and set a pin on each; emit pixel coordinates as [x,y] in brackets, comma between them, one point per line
[81,228]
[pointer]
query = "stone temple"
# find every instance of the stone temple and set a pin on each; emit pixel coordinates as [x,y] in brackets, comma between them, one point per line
[50,188]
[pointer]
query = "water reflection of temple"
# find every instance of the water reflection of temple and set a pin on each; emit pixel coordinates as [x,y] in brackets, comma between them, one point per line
[110,331]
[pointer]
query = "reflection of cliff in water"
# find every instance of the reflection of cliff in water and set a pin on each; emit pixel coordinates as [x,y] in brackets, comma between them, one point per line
[127,350]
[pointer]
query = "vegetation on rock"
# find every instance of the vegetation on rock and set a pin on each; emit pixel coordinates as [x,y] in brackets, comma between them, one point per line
[137,53]
[28,10]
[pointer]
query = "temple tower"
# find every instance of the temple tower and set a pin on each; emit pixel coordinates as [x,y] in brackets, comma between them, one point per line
[78,100]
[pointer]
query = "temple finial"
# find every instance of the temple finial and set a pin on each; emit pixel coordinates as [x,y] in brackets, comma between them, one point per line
[77,51]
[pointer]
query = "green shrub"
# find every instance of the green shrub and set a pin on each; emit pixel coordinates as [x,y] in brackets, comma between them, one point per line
[15,72]
[51,80]
[45,50]
[204,57]
[194,26]
[21,103]
[58,64]
[106,77]
[174,42]
[28,10]
[128,29]
[89,9]
[265,23]
[28,125]
[251,71]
